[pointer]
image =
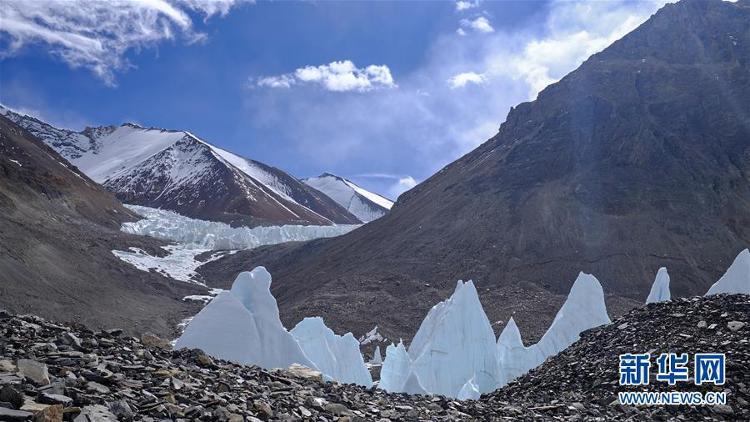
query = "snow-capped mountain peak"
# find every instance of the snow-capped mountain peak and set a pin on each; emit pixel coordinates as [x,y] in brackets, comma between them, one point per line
[176,170]
[366,205]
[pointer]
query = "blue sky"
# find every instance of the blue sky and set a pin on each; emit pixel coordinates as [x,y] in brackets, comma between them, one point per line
[384,93]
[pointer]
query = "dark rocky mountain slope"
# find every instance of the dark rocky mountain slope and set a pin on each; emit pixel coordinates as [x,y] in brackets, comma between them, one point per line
[638,159]
[57,231]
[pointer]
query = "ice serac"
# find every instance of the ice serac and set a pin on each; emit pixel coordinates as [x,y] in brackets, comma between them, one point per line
[377,356]
[470,391]
[737,278]
[583,309]
[455,354]
[337,357]
[242,325]
[513,358]
[223,329]
[660,288]
[455,343]
[396,368]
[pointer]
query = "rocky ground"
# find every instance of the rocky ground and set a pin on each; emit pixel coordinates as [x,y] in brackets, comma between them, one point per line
[583,379]
[52,372]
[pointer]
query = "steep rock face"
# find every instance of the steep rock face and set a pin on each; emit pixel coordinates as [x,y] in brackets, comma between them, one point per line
[57,230]
[176,170]
[638,159]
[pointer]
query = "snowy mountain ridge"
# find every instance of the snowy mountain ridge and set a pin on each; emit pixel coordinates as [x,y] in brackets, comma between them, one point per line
[176,170]
[366,205]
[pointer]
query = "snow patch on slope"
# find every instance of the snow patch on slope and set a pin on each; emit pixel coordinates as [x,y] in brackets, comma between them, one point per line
[179,264]
[125,147]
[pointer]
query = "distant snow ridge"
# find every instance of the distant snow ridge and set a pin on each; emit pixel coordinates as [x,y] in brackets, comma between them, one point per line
[736,279]
[660,288]
[242,325]
[454,353]
[365,205]
[169,225]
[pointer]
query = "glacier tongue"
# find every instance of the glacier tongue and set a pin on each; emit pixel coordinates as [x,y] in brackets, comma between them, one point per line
[660,288]
[736,279]
[243,325]
[337,357]
[169,225]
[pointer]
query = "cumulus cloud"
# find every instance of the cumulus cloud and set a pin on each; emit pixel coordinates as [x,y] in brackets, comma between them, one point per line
[576,32]
[404,131]
[402,185]
[97,34]
[338,76]
[480,24]
[462,5]
[462,79]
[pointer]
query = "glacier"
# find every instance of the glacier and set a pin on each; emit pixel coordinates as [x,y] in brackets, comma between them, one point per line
[455,353]
[242,325]
[660,289]
[736,279]
[195,237]
[337,357]
[169,225]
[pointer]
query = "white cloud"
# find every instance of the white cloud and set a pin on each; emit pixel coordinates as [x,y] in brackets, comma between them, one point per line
[462,79]
[281,81]
[401,131]
[480,24]
[338,76]
[573,32]
[402,185]
[97,34]
[462,5]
